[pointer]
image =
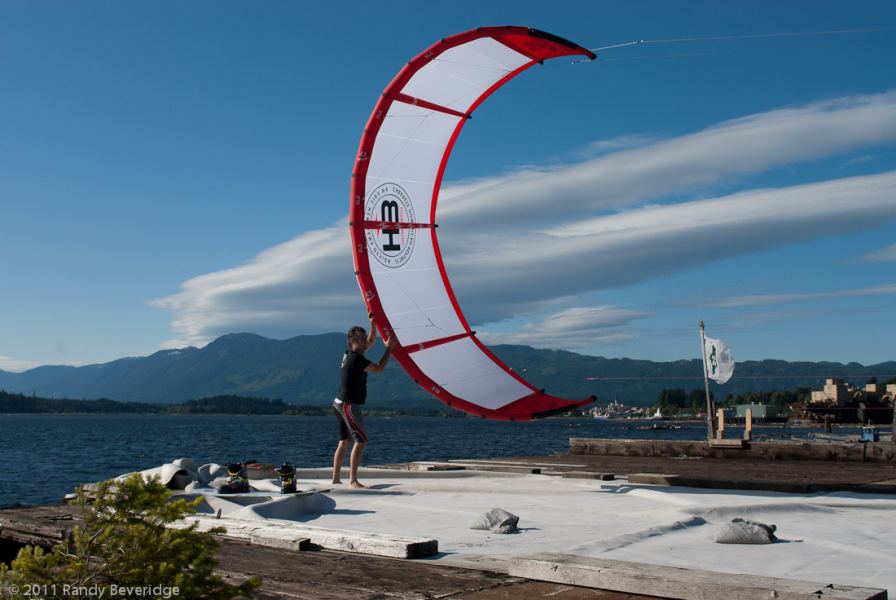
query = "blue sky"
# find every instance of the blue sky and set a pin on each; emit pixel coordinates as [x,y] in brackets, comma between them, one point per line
[171,172]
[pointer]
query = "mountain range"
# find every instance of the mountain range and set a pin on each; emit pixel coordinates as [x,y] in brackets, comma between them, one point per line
[304,370]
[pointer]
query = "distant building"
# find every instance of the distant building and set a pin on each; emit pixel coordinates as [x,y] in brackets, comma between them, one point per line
[877,392]
[838,393]
[834,392]
[888,393]
[761,412]
[617,410]
[845,403]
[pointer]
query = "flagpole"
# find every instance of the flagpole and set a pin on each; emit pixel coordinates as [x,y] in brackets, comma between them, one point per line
[710,419]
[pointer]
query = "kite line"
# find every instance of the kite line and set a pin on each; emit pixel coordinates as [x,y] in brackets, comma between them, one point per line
[717,38]
[747,36]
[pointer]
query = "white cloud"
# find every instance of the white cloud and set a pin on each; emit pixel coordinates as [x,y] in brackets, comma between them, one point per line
[610,252]
[734,148]
[622,142]
[860,160]
[16,366]
[305,285]
[579,327]
[887,254]
[515,244]
[766,299]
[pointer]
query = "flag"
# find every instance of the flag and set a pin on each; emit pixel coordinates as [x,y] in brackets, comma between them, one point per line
[718,360]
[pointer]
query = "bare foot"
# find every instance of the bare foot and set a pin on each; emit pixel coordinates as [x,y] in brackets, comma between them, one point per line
[337,481]
[357,485]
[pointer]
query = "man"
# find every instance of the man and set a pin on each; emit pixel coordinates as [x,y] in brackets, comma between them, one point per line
[351,397]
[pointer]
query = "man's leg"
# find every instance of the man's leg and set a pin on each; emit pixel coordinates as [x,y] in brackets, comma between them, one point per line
[354,418]
[339,460]
[353,464]
[342,448]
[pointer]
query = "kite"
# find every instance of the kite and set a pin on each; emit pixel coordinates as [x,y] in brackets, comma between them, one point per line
[392,219]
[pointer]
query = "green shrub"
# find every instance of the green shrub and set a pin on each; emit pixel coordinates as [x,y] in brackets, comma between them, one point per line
[125,543]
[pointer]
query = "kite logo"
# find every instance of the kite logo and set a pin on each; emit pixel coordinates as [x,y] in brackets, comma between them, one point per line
[392,245]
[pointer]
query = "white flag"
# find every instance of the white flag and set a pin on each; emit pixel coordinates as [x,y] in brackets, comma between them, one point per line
[719,363]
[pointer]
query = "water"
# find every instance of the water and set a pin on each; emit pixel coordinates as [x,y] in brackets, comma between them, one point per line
[46,456]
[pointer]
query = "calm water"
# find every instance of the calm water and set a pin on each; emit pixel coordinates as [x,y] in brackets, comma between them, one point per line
[46,456]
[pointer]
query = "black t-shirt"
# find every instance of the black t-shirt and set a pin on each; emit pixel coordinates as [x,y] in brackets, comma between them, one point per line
[353,378]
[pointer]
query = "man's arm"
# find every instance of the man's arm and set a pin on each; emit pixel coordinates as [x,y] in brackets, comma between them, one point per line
[371,337]
[379,366]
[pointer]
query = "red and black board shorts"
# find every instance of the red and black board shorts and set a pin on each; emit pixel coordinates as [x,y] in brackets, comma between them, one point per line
[351,421]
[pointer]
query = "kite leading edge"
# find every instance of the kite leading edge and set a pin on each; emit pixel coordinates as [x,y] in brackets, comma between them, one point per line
[395,188]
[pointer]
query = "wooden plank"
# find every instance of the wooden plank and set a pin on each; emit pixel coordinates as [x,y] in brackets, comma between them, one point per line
[517,463]
[378,544]
[36,528]
[871,488]
[588,475]
[728,444]
[552,472]
[331,575]
[28,539]
[880,452]
[373,543]
[271,537]
[428,466]
[675,582]
[50,522]
[470,466]
[655,478]
[789,487]
[542,590]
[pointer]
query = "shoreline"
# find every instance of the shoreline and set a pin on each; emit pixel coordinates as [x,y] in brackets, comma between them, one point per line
[396,413]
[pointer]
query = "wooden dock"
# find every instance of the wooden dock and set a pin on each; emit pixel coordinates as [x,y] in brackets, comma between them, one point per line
[798,476]
[840,451]
[335,575]
[680,584]
[314,563]
[311,573]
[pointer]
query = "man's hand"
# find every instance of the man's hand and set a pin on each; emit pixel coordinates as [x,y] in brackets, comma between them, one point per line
[384,359]
[371,337]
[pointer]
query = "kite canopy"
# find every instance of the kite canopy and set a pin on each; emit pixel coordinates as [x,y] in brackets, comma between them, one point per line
[395,189]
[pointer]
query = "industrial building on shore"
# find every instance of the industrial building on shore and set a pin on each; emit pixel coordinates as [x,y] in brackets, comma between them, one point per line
[845,403]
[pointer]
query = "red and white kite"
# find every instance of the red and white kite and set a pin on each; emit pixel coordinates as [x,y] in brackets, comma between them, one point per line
[395,191]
